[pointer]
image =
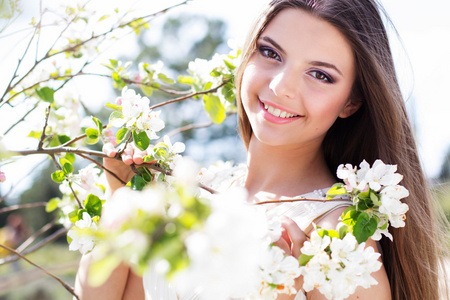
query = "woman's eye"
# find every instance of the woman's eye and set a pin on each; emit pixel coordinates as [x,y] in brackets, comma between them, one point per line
[321,76]
[267,52]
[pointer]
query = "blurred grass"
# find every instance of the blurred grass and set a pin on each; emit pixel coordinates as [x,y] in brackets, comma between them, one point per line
[441,194]
[20,280]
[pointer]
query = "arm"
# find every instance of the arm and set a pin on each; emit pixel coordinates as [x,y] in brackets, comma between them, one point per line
[122,283]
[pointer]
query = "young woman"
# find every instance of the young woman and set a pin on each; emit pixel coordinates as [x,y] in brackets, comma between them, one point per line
[317,88]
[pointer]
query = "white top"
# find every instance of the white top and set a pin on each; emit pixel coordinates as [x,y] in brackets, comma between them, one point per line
[220,178]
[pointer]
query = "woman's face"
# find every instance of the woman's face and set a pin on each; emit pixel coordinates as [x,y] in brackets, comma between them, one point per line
[298,81]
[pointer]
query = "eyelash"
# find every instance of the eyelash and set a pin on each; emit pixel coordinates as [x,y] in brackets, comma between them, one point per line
[327,79]
[265,50]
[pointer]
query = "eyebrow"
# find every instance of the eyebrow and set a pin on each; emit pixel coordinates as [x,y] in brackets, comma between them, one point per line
[314,63]
[275,44]
[325,64]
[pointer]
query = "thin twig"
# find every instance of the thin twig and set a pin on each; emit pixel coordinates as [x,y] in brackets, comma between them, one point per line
[9,87]
[22,206]
[43,136]
[80,206]
[21,119]
[212,90]
[296,200]
[62,282]
[35,235]
[36,247]
[189,127]
[103,167]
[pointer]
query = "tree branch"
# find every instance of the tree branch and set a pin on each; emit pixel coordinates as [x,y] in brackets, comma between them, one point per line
[296,200]
[22,206]
[33,237]
[62,282]
[43,136]
[38,246]
[212,90]
[103,167]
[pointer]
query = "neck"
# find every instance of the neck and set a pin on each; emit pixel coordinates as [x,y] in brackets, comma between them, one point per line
[275,172]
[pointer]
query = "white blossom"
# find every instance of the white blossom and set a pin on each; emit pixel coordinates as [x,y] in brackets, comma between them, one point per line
[116,214]
[82,234]
[382,175]
[151,123]
[133,106]
[226,255]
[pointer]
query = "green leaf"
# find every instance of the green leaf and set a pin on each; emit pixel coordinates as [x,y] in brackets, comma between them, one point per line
[148,91]
[103,18]
[145,173]
[304,259]
[122,134]
[149,159]
[70,157]
[336,191]
[208,85]
[343,230]
[52,204]
[349,216]
[365,227]
[229,93]
[114,63]
[35,134]
[164,79]
[229,65]
[184,79]
[46,94]
[63,139]
[214,108]
[331,233]
[93,205]
[115,115]
[73,216]
[80,213]
[161,177]
[58,176]
[99,124]
[66,165]
[92,133]
[137,183]
[375,199]
[141,140]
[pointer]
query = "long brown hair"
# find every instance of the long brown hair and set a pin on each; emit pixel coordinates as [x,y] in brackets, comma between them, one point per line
[379,129]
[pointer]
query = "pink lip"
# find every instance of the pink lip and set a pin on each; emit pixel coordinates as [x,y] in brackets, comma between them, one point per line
[277,120]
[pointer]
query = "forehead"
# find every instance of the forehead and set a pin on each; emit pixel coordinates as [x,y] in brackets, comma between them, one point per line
[301,33]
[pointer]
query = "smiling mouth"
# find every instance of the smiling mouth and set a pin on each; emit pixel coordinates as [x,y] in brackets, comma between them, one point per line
[278,113]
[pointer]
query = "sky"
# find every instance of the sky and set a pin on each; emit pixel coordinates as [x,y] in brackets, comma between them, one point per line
[421,51]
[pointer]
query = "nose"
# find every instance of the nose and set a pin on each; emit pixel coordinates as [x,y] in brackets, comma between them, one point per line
[284,84]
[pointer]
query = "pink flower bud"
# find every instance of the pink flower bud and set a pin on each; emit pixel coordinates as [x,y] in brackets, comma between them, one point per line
[119,101]
[2,176]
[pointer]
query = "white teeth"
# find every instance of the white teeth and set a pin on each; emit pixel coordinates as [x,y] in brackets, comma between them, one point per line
[278,113]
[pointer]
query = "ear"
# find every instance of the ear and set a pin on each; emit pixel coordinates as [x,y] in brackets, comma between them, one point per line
[350,108]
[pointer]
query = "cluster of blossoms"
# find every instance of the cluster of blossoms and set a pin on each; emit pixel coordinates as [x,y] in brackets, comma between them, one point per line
[237,236]
[375,190]
[338,266]
[134,113]
[87,184]
[220,69]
